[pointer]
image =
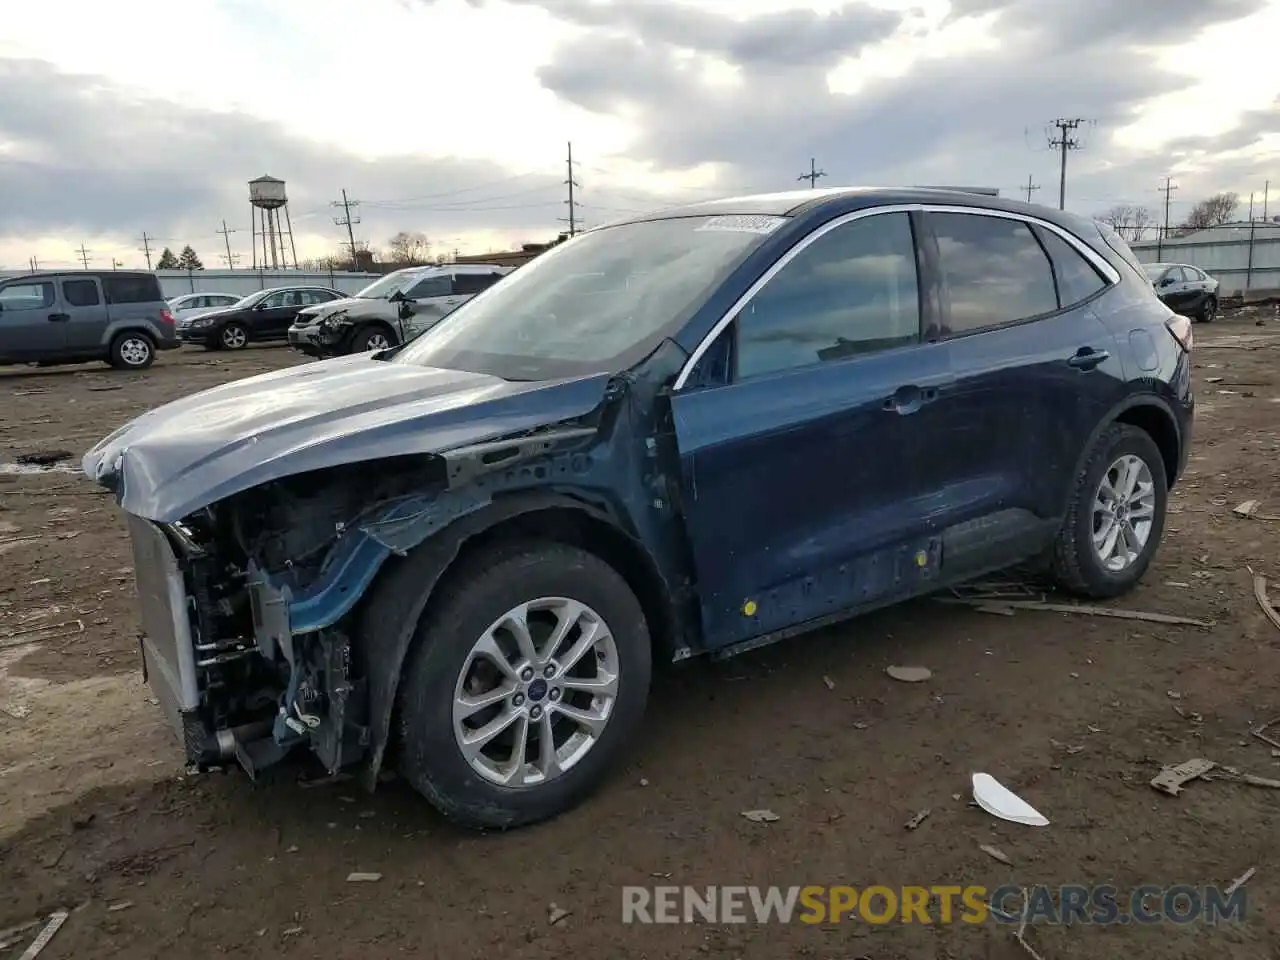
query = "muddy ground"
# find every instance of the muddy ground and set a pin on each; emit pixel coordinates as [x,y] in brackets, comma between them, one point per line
[1075,713]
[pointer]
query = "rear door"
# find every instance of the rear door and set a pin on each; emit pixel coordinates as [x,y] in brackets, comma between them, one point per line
[32,322]
[1035,371]
[84,302]
[805,438]
[272,319]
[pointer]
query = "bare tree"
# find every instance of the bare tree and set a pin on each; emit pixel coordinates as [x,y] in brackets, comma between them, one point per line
[1211,212]
[1119,218]
[1142,220]
[409,248]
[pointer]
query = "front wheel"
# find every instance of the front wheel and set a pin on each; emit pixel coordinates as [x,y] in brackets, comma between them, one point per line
[233,337]
[1116,518]
[530,672]
[371,339]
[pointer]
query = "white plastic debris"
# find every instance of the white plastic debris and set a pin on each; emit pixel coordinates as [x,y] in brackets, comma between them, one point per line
[760,816]
[1001,802]
[909,674]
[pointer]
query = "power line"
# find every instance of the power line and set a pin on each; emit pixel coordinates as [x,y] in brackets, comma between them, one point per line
[1030,187]
[84,256]
[1064,142]
[146,247]
[1167,190]
[813,174]
[573,204]
[346,220]
[231,258]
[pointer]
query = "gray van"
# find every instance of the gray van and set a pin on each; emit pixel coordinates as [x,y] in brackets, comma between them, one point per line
[119,316]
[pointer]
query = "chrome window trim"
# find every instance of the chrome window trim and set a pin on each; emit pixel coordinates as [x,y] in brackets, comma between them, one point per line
[1099,262]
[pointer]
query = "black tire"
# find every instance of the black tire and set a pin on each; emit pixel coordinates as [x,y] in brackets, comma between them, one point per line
[1074,564]
[131,350]
[360,340]
[465,606]
[1209,310]
[233,336]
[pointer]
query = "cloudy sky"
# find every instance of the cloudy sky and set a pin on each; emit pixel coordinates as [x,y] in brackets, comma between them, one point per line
[452,116]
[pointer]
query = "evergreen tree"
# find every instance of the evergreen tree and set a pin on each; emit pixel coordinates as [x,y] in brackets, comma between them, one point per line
[167,260]
[187,260]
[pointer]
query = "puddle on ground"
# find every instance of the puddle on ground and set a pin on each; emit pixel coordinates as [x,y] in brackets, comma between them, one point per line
[28,469]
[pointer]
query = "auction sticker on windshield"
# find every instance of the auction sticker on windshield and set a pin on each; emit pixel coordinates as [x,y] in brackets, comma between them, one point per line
[744,223]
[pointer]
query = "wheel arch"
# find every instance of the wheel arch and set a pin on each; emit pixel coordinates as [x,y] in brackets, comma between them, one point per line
[1151,414]
[364,323]
[386,624]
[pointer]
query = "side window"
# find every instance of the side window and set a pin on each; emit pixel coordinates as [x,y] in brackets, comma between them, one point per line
[437,286]
[1076,276]
[81,293]
[994,268]
[468,283]
[222,301]
[1177,275]
[850,292]
[276,300]
[132,288]
[27,296]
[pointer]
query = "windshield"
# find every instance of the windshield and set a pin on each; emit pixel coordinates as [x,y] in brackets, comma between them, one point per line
[1153,270]
[384,287]
[250,300]
[595,304]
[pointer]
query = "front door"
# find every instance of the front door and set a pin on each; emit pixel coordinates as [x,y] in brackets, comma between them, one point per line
[84,303]
[1035,370]
[805,475]
[428,302]
[33,324]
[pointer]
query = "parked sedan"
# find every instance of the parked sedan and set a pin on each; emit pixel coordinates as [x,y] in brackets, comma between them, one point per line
[260,317]
[1185,289]
[193,304]
[690,434]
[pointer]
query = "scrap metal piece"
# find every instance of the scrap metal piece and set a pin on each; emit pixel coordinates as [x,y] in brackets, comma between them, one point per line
[56,920]
[1171,780]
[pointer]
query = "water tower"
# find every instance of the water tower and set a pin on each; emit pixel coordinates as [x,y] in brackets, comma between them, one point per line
[267,200]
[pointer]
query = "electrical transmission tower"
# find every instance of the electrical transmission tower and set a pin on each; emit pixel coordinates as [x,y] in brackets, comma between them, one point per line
[231,258]
[348,221]
[1064,141]
[1030,187]
[571,183]
[813,174]
[146,248]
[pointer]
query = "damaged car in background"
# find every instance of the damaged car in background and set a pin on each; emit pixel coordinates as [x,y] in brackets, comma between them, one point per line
[463,556]
[390,311]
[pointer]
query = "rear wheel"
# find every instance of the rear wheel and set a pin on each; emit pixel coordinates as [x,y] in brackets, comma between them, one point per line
[1116,518]
[530,672]
[131,350]
[1209,310]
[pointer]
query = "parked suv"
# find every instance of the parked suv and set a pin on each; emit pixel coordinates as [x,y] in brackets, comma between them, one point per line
[260,317]
[119,316]
[1185,289]
[390,311]
[691,433]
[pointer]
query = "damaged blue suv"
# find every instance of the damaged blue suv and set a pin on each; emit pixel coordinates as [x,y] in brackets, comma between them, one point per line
[694,432]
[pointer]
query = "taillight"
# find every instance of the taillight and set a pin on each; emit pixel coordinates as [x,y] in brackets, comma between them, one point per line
[166,318]
[1180,327]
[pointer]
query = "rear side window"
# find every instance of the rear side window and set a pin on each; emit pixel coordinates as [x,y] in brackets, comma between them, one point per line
[996,272]
[81,293]
[132,289]
[465,283]
[1117,243]
[27,296]
[1076,276]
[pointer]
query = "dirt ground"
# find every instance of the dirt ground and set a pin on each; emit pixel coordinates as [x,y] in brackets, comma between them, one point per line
[1075,713]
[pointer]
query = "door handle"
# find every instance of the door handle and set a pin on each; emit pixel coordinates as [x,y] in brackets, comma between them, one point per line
[909,399]
[59,317]
[1086,358]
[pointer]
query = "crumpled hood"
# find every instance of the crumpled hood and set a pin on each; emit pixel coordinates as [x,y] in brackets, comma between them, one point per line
[203,448]
[355,306]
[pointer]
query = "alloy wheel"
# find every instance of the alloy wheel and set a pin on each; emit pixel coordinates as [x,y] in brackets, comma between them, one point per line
[1123,513]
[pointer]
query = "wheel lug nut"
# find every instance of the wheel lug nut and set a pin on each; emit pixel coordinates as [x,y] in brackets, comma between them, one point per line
[550,671]
[526,674]
[518,700]
[555,693]
[536,713]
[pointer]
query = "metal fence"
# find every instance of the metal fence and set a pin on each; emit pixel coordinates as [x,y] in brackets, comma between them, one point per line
[1247,260]
[174,283]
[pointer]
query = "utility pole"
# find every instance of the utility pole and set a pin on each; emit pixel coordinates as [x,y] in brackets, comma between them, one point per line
[231,258]
[1167,190]
[813,174]
[573,204]
[84,256]
[1064,142]
[35,263]
[1266,191]
[1030,187]
[116,264]
[146,248]
[348,221]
